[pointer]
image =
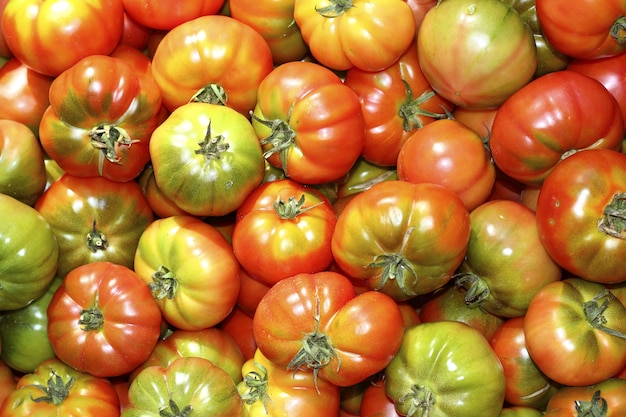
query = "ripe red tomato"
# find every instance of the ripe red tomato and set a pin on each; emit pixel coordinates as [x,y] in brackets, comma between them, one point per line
[605,398]
[156,14]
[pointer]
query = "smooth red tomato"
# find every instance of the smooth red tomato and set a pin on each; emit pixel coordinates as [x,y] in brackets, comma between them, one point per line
[479,120]
[238,325]
[5,52]
[8,381]
[376,402]
[420,8]
[156,14]
[251,292]
[134,33]
[606,398]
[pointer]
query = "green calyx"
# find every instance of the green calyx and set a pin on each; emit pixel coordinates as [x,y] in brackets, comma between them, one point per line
[211,94]
[212,147]
[613,222]
[421,399]
[594,312]
[256,384]
[335,9]
[281,137]
[597,407]
[56,390]
[411,109]
[107,138]
[164,284]
[292,208]
[91,319]
[96,240]
[174,410]
[477,288]
[618,30]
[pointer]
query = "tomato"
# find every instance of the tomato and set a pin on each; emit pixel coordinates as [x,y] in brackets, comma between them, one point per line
[5,52]
[362,176]
[250,292]
[56,389]
[369,35]
[376,402]
[134,34]
[155,14]
[580,215]
[23,94]
[505,264]
[526,385]
[315,323]
[479,120]
[304,113]
[8,381]
[24,333]
[448,303]
[215,59]
[411,238]
[206,159]
[51,36]
[100,119]
[92,316]
[548,119]
[94,219]
[576,33]
[29,254]
[585,326]
[396,102]
[445,369]
[270,390]
[238,325]
[475,53]
[210,343]
[22,166]
[520,411]
[420,8]
[282,229]
[190,269]
[160,204]
[606,398]
[273,20]
[187,386]
[448,153]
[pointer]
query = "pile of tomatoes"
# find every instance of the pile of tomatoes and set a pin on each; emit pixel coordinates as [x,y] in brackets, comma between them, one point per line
[313,208]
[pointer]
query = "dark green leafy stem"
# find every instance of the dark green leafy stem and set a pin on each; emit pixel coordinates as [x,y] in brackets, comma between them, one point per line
[211,94]
[175,411]
[618,30]
[107,138]
[335,9]
[594,312]
[477,288]
[292,208]
[422,401]
[92,319]
[56,391]
[164,283]
[281,137]
[212,147]
[597,407]
[614,221]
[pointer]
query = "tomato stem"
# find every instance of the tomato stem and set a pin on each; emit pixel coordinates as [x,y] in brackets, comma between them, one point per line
[290,209]
[335,9]
[411,111]
[618,30]
[594,312]
[212,147]
[281,137]
[396,267]
[597,407]
[211,94]
[92,317]
[56,391]
[96,240]
[256,383]
[164,283]
[477,288]
[175,410]
[422,400]
[614,221]
[107,138]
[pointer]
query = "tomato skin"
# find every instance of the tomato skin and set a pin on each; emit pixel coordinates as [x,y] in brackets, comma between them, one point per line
[369,35]
[407,231]
[218,50]
[445,369]
[611,390]
[549,118]
[29,254]
[574,314]
[8,381]
[376,402]
[86,396]
[571,31]
[472,73]
[36,30]
[134,34]
[283,228]
[520,411]
[324,305]
[238,325]
[95,311]
[157,15]
[570,205]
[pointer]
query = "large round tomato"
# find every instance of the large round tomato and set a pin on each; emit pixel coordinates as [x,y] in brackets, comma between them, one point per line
[581,211]
[606,398]
[51,36]
[549,118]
[445,369]
[103,320]
[190,269]
[575,332]
[29,254]
[475,53]
[206,158]
[410,240]
[156,14]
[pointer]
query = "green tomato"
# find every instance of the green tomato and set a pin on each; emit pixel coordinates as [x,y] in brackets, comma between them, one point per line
[24,333]
[29,254]
[445,369]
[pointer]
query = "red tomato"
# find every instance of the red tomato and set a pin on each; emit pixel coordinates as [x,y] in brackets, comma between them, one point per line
[238,325]
[45,35]
[134,33]
[605,398]
[5,52]
[8,381]
[479,120]
[156,14]
[376,402]
[316,323]
[94,314]
[420,8]
[251,292]
[548,119]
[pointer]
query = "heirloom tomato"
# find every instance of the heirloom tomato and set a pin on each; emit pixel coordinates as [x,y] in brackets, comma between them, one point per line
[368,34]
[29,254]
[8,381]
[211,343]
[420,8]
[396,102]
[505,263]
[52,35]
[206,158]
[479,120]
[94,219]
[103,320]
[56,389]
[581,211]
[364,175]
[316,323]
[134,34]
[476,53]
[375,401]
[584,29]
[189,386]
[448,153]
[445,369]
[282,229]
[238,325]
[270,390]
[526,385]
[550,118]
[156,14]
[212,59]
[101,116]
[411,237]
[585,325]
[250,292]
[305,113]
[160,204]
[190,269]
[520,411]
[5,52]
[605,399]
[22,166]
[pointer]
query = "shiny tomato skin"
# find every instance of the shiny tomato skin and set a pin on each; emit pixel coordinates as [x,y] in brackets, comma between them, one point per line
[375,401]
[158,15]
[549,118]
[578,215]
[569,398]
[37,31]
[238,325]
